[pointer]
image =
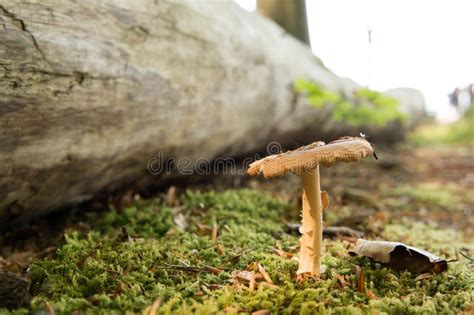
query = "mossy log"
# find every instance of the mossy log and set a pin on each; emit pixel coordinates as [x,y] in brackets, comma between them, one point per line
[91,90]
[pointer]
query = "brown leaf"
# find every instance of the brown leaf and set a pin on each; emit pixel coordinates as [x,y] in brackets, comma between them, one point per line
[261,312]
[341,279]
[246,277]
[264,273]
[171,197]
[302,277]
[213,286]
[400,256]
[252,281]
[202,229]
[371,295]
[220,249]
[242,276]
[469,310]
[11,267]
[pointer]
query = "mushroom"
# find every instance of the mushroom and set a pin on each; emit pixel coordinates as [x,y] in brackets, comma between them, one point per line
[305,162]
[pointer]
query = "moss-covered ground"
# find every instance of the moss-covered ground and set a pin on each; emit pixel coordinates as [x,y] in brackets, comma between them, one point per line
[197,253]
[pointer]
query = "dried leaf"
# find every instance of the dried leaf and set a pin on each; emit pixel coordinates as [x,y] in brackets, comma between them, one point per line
[242,276]
[202,229]
[171,197]
[261,312]
[252,281]
[371,295]
[341,279]
[11,267]
[220,249]
[264,273]
[400,256]
[181,221]
[248,278]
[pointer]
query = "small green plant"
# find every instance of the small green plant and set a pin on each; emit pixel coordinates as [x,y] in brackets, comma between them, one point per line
[368,107]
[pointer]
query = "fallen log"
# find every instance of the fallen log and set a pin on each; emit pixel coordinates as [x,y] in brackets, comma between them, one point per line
[90,91]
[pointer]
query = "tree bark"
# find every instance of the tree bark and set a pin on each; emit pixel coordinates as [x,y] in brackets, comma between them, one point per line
[289,14]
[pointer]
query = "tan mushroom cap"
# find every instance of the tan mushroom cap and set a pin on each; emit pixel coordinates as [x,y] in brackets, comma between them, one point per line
[346,149]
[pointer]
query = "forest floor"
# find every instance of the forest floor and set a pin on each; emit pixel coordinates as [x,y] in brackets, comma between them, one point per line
[225,247]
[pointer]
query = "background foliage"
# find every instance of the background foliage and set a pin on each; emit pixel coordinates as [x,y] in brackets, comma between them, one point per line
[368,107]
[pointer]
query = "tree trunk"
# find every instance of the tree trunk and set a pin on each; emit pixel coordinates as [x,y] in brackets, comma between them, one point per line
[289,14]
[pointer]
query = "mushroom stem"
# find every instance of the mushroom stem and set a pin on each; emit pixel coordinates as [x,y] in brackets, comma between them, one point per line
[312,221]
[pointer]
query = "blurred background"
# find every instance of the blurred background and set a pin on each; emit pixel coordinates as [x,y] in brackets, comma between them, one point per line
[387,44]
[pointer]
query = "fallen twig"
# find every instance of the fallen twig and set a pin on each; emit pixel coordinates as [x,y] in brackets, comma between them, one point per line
[360,280]
[213,270]
[363,197]
[282,253]
[214,232]
[330,231]
[467,257]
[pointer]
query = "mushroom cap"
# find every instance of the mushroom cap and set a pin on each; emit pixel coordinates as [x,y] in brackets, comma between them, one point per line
[346,149]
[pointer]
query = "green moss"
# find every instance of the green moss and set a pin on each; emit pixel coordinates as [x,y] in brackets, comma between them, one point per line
[107,271]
